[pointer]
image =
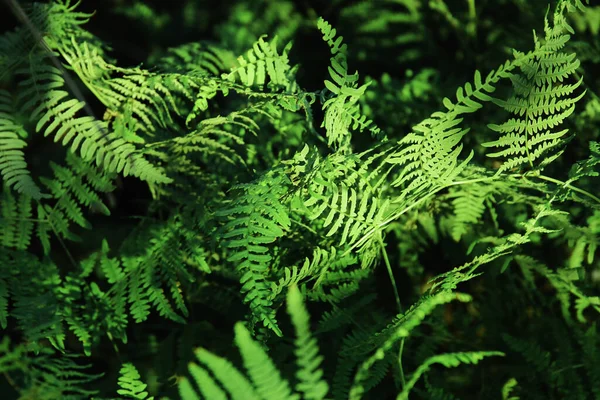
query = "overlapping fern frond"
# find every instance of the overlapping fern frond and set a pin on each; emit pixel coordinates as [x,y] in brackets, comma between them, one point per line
[254,220]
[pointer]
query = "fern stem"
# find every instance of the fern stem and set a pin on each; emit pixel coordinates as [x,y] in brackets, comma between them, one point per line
[402,378]
[391,274]
[569,186]
[472,27]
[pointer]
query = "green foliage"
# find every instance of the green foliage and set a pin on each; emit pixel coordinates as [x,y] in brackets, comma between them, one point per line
[191,170]
[130,383]
[264,380]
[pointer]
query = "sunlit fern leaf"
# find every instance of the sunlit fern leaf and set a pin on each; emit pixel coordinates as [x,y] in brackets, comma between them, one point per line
[132,91]
[264,381]
[56,113]
[255,219]
[263,373]
[342,111]
[543,100]
[261,62]
[215,138]
[13,166]
[130,384]
[208,387]
[470,97]
[336,286]
[428,157]
[225,373]
[310,373]
[311,269]
[340,193]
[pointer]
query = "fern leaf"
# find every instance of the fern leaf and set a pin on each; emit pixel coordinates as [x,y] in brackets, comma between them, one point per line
[130,384]
[543,100]
[343,110]
[256,218]
[448,360]
[207,386]
[16,225]
[262,61]
[12,158]
[309,374]
[263,373]
[236,384]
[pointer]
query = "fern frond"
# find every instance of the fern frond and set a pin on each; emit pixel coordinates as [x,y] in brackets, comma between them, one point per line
[311,268]
[448,360]
[470,202]
[256,218]
[343,110]
[428,157]
[56,113]
[537,357]
[215,137]
[263,373]
[71,189]
[344,197]
[32,294]
[400,328]
[130,384]
[262,61]
[16,225]
[62,378]
[13,166]
[543,100]
[309,374]
[264,383]
[234,382]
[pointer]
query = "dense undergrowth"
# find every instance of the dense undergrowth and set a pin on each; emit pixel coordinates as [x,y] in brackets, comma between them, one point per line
[206,201]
